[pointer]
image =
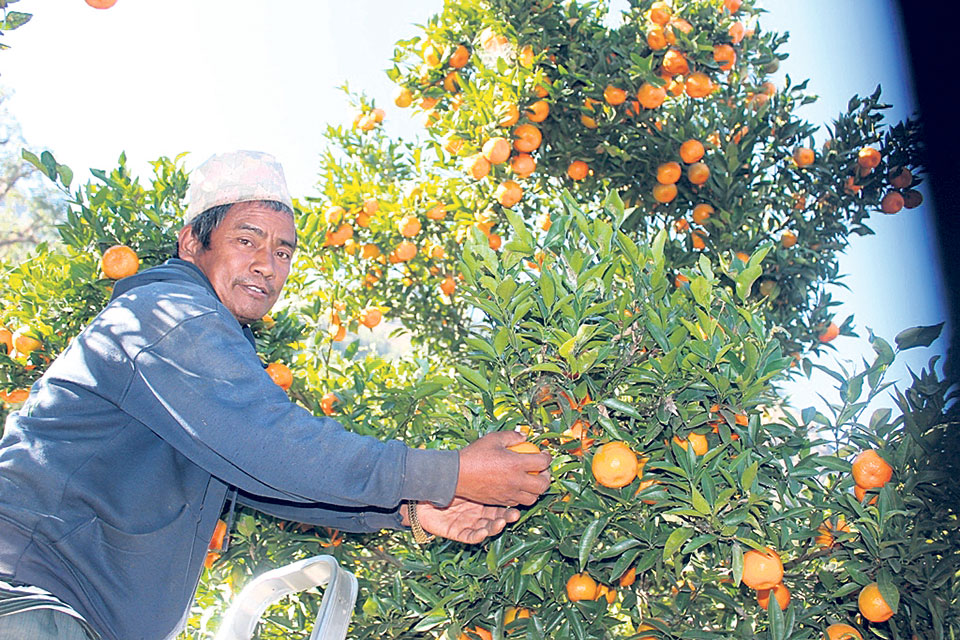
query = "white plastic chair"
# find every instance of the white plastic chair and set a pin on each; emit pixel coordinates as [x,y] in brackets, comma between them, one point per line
[336,607]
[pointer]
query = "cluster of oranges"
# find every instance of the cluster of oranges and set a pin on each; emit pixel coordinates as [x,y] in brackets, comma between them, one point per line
[368,120]
[763,572]
[17,345]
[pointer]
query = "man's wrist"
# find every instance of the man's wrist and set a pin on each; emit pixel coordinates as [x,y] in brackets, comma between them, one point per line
[419,535]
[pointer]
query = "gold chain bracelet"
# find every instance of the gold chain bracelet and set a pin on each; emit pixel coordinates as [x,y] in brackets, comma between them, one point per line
[419,535]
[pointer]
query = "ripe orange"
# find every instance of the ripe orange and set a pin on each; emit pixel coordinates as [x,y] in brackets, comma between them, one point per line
[868,158]
[437,212]
[732,5]
[668,172]
[870,471]
[544,222]
[101,4]
[608,593]
[371,317]
[369,251]
[628,578]
[803,156]
[579,430]
[614,465]
[900,178]
[6,339]
[736,32]
[403,97]
[494,240]
[697,440]
[614,95]
[698,173]
[780,592]
[651,97]
[542,90]
[825,532]
[861,493]
[337,332]
[509,193]
[523,165]
[660,13]
[448,286]
[459,57]
[699,85]
[527,137]
[477,633]
[681,225]
[762,569]
[702,212]
[698,239]
[524,447]
[525,58]
[725,55]
[788,239]
[912,198]
[280,374]
[15,396]
[691,151]
[892,202]
[578,170]
[327,402]
[409,226]
[25,344]
[477,166]
[515,613]
[429,103]
[675,63]
[405,251]
[664,192]
[581,586]
[831,332]
[538,111]
[119,261]
[841,631]
[508,115]
[872,605]
[496,150]
[656,38]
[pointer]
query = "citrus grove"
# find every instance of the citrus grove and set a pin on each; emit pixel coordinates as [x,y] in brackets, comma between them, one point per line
[616,240]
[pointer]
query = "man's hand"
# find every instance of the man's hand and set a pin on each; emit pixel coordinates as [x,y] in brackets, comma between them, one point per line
[492,474]
[464,521]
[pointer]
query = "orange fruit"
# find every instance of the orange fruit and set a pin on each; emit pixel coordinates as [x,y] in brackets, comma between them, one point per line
[327,402]
[515,613]
[780,592]
[544,222]
[542,90]
[762,569]
[524,447]
[477,633]
[437,212]
[119,261]
[668,172]
[448,285]
[861,493]
[588,122]
[403,97]
[697,440]
[371,317]
[614,95]
[280,374]
[699,85]
[6,339]
[628,578]
[494,240]
[608,593]
[788,239]
[581,586]
[101,4]
[841,632]
[660,13]
[525,58]
[15,396]
[579,430]
[680,280]
[656,38]
[25,344]
[691,151]
[900,178]
[216,540]
[868,158]
[459,57]
[912,198]
[405,251]
[681,225]
[825,532]
[803,156]
[702,212]
[831,332]
[892,202]
[650,96]
[872,605]
[538,111]
[732,5]
[578,170]
[508,115]
[870,471]
[523,165]
[337,332]
[725,55]
[698,239]
[614,465]
[664,192]
[508,193]
[334,214]
[736,32]
[496,150]
[409,226]
[477,166]
[369,251]
[698,173]
[527,137]
[675,63]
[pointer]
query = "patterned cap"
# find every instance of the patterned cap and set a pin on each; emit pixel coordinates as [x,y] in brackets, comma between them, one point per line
[236,176]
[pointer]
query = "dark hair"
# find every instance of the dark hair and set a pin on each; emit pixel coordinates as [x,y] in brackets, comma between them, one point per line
[203,225]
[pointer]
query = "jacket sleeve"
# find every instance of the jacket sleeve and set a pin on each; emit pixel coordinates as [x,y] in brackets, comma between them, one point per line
[349,519]
[201,387]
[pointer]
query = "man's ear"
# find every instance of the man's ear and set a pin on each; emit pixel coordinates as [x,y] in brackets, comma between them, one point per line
[188,245]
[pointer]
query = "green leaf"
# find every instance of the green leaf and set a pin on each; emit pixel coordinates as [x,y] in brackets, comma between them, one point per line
[745,280]
[548,290]
[699,502]
[888,589]
[15,19]
[535,564]
[775,617]
[701,290]
[622,407]
[884,351]
[473,377]
[675,541]
[589,538]
[922,336]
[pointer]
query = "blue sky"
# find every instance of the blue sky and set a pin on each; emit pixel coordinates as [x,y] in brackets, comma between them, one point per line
[159,78]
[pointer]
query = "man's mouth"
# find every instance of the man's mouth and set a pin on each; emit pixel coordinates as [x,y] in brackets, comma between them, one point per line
[256,290]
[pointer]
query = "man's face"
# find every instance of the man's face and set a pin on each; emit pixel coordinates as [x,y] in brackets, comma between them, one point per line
[248,260]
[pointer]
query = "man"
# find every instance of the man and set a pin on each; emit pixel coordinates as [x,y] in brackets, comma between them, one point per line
[115,471]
